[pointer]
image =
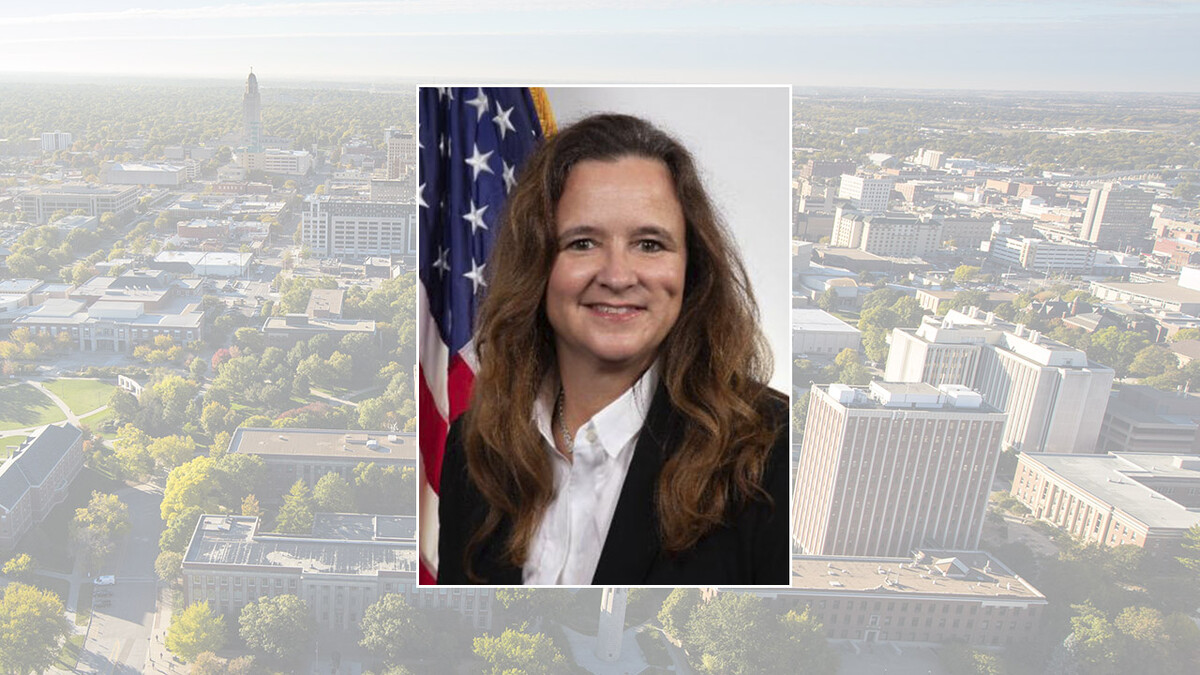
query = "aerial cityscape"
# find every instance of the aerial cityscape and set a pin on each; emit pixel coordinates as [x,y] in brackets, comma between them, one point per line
[208,406]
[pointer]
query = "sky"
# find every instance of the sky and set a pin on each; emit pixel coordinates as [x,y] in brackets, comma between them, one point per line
[1043,45]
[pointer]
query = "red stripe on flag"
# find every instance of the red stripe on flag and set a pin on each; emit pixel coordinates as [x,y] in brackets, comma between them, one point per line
[433,433]
[458,385]
[427,577]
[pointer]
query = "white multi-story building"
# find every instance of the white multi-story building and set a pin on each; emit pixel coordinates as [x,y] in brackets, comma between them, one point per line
[865,193]
[348,227]
[898,467]
[271,160]
[39,204]
[886,235]
[1053,395]
[53,141]
[339,570]
[1041,255]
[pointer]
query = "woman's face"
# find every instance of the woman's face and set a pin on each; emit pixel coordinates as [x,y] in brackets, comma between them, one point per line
[616,286]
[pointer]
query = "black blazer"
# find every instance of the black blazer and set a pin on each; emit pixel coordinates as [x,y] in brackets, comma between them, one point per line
[751,549]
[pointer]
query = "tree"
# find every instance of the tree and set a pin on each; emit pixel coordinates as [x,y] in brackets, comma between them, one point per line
[171,451]
[964,299]
[965,273]
[1190,546]
[191,484]
[178,531]
[392,629]
[805,643]
[516,652]
[677,611]
[332,494]
[194,630]
[296,514]
[1093,640]
[97,527]
[1186,334]
[168,565]
[20,567]
[1151,361]
[250,507]
[32,628]
[376,487]
[132,453]
[275,626]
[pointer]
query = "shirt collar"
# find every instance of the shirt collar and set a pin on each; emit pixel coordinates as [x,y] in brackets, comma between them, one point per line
[615,425]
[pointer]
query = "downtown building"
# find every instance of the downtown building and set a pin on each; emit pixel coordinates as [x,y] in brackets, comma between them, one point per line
[890,235]
[342,567]
[307,454]
[38,205]
[1053,394]
[350,227]
[894,468]
[401,152]
[1117,217]
[866,194]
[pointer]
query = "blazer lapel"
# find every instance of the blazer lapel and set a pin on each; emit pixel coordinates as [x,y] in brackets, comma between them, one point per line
[632,545]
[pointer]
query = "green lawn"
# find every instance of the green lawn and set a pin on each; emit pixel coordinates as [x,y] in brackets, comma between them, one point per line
[5,452]
[23,406]
[81,395]
[69,656]
[97,420]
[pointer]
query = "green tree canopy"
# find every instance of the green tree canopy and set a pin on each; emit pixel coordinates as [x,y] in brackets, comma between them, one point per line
[276,625]
[96,527]
[32,628]
[296,514]
[194,630]
[517,652]
[392,629]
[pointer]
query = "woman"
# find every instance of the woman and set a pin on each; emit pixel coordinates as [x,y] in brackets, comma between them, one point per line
[619,429]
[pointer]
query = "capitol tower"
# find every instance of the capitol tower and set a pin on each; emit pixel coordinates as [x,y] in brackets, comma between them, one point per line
[252,114]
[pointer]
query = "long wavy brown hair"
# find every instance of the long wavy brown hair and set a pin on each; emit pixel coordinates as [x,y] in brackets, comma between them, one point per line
[714,361]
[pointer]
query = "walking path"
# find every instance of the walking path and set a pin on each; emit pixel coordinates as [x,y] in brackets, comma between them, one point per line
[71,416]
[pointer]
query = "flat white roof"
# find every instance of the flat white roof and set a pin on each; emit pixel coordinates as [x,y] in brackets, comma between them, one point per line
[819,321]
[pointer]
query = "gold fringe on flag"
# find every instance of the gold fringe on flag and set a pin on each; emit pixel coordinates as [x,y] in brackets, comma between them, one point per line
[541,102]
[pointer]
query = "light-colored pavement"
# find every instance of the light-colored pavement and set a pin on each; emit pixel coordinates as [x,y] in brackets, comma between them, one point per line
[119,639]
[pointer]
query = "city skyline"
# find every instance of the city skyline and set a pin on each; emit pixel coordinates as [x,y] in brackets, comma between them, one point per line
[922,44]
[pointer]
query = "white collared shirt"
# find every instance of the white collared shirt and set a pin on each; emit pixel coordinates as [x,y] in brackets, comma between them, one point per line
[570,538]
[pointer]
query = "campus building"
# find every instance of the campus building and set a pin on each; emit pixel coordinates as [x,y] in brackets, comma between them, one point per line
[816,332]
[340,569]
[1140,418]
[926,599]
[308,454]
[1117,217]
[866,194]
[893,468]
[1052,393]
[36,478]
[1140,498]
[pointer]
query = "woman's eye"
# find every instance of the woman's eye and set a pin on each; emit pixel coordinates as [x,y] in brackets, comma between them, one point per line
[650,246]
[580,245]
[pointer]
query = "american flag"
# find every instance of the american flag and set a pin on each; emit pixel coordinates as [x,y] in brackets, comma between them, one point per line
[472,141]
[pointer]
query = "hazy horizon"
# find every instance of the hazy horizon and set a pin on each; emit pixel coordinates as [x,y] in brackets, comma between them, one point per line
[949,45]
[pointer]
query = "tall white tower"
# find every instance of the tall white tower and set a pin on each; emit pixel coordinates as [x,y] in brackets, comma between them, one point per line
[612,624]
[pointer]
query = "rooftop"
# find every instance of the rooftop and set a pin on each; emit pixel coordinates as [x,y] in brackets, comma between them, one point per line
[974,574]
[366,446]
[818,321]
[235,540]
[34,461]
[1113,479]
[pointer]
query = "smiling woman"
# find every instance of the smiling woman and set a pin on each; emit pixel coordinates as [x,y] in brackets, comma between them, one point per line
[620,430]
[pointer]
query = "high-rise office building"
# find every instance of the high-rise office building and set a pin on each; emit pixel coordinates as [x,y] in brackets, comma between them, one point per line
[252,114]
[897,467]
[53,141]
[401,153]
[1053,394]
[1117,218]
